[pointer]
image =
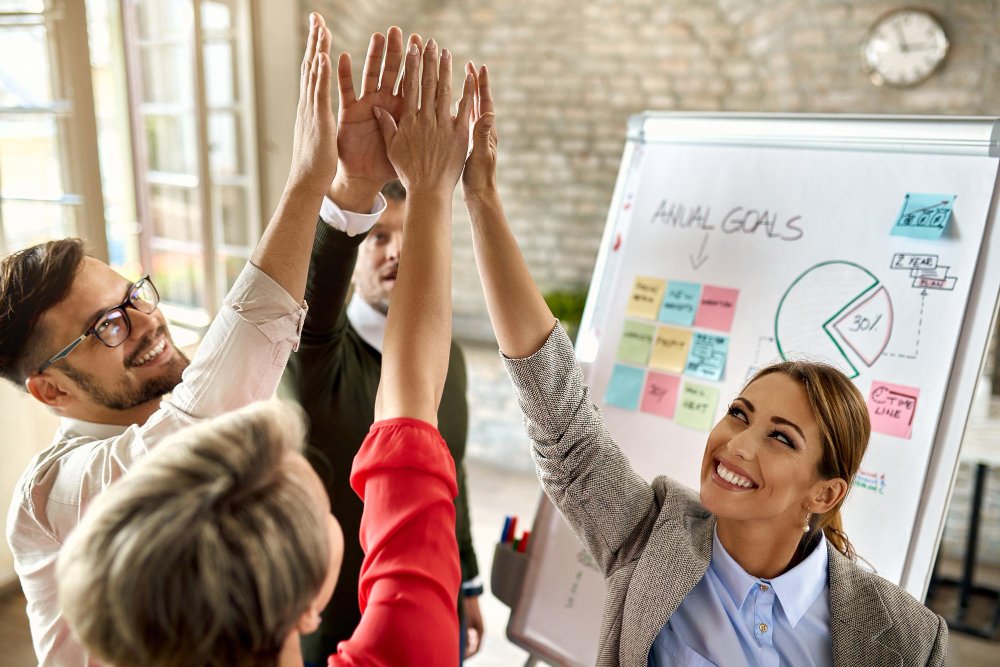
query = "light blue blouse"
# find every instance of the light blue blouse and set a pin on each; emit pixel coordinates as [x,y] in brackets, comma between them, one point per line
[731,618]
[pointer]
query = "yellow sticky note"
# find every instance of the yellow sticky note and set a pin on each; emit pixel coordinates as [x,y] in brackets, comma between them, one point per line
[646,297]
[670,349]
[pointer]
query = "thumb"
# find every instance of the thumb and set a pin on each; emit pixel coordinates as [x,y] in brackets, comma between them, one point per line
[387,124]
[481,132]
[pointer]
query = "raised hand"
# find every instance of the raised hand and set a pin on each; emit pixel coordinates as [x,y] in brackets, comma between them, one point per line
[428,146]
[314,149]
[480,175]
[362,148]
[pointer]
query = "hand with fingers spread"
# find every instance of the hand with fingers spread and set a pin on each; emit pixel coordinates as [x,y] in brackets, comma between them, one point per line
[428,145]
[364,166]
[480,175]
[314,150]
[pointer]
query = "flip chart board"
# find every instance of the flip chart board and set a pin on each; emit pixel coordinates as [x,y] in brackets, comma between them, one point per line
[736,240]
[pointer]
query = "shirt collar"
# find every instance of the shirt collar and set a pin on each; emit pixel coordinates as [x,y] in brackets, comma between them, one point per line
[796,589]
[76,428]
[367,321]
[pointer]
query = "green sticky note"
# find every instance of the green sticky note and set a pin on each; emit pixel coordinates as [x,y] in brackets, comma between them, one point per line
[697,406]
[924,216]
[625,387]
[636,342]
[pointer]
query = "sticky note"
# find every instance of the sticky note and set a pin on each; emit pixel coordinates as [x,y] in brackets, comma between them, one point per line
[717,307]
[680,303]
[707,358]
[660,395]
[696,408]
[646,296]
[670,349]
[636,342]
[923,216]
[892,408]
[625,387]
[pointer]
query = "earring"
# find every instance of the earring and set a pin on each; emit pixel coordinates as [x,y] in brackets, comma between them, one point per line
[805,528]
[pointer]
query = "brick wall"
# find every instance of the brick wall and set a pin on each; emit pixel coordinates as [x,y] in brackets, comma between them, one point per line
[568,73]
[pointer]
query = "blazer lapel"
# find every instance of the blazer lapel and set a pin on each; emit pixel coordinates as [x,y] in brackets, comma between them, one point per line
[663,577]
[857,617]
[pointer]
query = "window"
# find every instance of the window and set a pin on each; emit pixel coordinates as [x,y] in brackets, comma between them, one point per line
[194,152]
[49,179]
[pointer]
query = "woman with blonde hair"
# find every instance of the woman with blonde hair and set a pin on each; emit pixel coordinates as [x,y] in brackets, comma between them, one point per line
[219,550]
[753,570]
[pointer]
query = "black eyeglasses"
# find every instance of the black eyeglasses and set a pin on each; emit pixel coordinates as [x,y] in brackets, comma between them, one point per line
[114,326]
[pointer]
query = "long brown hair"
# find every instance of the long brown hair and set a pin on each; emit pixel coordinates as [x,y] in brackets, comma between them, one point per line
[844,426]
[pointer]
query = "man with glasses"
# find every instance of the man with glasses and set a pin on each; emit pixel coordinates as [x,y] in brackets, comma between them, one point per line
[96,350]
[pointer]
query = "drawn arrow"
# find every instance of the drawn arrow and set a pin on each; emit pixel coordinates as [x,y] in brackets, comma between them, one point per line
[920,327]
[702,257]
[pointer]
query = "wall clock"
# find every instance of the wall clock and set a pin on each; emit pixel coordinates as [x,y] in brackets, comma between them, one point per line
[904,48]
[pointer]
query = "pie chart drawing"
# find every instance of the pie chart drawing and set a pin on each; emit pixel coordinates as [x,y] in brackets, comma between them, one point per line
[838,312]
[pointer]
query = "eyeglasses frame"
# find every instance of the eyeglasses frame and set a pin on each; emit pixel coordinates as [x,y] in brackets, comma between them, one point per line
[92,330]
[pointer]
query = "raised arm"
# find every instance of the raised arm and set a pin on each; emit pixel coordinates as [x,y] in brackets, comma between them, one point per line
[580,467]
[284,249]
[521,319]
[427,148]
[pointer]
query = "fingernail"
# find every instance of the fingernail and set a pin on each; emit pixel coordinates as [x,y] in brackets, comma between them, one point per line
[431,45]
[378,112]
[445,54]
[413,49]
[468,77]
[312,19]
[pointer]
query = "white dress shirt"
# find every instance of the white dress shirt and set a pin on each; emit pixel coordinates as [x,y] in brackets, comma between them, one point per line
[239,361]
[734,619]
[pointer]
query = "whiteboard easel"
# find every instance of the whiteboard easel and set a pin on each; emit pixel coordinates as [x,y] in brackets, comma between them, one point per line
[842,179]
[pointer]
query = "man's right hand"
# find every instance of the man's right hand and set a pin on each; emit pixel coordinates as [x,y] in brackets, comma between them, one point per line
[364,166]
[314,151]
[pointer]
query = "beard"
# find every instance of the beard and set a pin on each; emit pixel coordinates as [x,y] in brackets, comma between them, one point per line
[130,392]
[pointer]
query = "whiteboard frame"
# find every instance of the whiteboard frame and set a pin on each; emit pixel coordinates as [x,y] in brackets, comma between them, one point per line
[953,135]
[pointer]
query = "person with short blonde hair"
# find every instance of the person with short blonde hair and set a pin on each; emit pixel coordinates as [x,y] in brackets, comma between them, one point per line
[227,508]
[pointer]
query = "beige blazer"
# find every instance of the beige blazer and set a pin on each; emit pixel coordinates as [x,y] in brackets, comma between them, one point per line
[654,542]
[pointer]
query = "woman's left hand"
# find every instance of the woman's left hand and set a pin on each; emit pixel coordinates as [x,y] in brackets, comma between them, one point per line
[428,146]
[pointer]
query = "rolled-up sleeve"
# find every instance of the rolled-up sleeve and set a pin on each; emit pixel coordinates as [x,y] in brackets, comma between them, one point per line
[244,353]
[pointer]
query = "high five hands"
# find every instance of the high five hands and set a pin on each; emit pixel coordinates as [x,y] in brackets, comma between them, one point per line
[427,145]
[314,148]
[479,178]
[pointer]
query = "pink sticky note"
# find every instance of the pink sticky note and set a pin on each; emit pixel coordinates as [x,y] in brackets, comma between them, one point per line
[659,396]
[717,307]
[892,408]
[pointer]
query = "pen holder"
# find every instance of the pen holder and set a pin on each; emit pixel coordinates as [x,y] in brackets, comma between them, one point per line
[507,574]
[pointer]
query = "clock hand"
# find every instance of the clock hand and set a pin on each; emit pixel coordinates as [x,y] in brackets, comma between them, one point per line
[903,45]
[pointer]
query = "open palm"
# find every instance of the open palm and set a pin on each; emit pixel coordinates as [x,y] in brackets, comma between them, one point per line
[359,139]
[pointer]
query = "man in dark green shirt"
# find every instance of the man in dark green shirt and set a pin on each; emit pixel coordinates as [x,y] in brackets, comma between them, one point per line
[335,374]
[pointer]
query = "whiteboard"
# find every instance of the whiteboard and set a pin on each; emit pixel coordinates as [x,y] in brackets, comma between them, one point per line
[783,226]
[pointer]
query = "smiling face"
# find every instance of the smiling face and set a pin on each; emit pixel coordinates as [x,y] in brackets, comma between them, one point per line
[761,462]
[378,258]
[98,378]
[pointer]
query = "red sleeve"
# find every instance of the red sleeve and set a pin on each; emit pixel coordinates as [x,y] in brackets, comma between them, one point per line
[410,577]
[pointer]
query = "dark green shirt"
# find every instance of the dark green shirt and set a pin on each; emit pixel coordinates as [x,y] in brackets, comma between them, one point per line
[334,376]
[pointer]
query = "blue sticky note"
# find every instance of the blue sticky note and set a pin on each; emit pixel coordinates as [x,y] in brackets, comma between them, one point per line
[707,358]
[924,216]
[680,304]
[625,387]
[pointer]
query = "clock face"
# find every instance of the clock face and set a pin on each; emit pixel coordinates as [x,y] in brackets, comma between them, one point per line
[904,48]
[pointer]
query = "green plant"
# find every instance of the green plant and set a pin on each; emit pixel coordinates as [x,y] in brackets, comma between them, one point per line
[567,305]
